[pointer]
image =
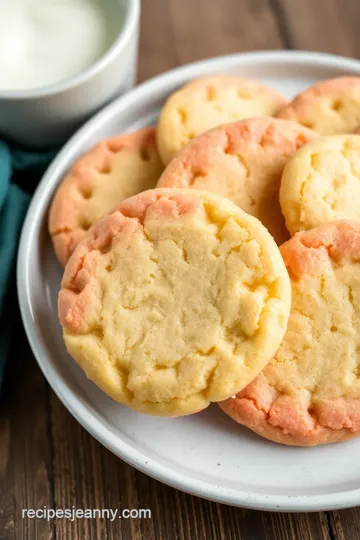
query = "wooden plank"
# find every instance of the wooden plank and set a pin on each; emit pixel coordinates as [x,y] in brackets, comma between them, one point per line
[209,28]
[121,491]
[78,480]
[285,526]
[25,446]
[322,25]
[175,33]
[345,524]
[157,51]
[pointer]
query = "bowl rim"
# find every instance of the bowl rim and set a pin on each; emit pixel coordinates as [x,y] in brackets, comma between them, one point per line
[83,412]
[132,14]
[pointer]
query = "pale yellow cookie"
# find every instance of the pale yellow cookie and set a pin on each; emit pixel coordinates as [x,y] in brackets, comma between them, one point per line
[115,169]
[321,183]
[242,161]
[329,107]
[176,299]
[209,102]
[309,394]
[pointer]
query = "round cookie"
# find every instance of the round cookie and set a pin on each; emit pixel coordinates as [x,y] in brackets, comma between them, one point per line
[174,300]
[309,394]
[329,107]
[321,183]
[209,102]
[244,162]
[113,170]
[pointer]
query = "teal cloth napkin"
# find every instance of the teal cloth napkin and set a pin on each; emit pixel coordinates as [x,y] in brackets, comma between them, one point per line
[23,168]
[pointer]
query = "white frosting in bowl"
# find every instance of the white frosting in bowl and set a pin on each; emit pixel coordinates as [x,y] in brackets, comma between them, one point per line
[43,42]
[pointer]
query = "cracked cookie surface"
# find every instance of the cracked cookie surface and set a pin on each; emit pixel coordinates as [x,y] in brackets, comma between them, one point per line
[242,161]
[329,107]
[113,170]
[309,394]
[174,300]
[209,102]
[321,183]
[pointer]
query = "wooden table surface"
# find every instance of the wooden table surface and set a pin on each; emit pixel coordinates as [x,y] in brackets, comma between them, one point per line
[46,458]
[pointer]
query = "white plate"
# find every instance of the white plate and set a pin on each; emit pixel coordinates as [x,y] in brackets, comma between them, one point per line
[206,454]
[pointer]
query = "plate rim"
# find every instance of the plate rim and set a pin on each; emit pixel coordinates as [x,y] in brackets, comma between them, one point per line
[83,412]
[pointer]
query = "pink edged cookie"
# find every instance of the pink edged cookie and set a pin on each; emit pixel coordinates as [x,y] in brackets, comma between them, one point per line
[174,300]
[242,161]
[208,102]
[309,394]
[330,107]
[113,170]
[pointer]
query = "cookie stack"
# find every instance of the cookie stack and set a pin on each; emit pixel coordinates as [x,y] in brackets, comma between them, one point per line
[175,292]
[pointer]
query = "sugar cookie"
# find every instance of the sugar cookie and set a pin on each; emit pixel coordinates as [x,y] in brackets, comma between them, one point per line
[112,171]
[209,102]
[175,299]
[242,161]
[329,107]
[309,394]
[321,183]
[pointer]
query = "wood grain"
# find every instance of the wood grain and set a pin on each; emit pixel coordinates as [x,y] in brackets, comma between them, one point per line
[46,458]
[322,25]
[224,27]
[157,50]
[25,446]
[345,524]
[177,32]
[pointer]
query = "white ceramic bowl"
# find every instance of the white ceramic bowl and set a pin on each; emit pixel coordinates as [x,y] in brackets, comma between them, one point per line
[206,454]
[48,116]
